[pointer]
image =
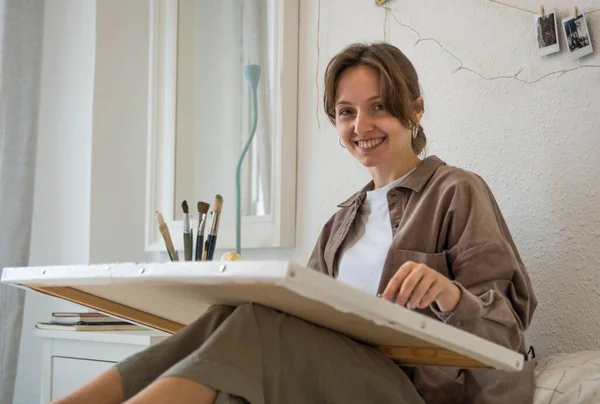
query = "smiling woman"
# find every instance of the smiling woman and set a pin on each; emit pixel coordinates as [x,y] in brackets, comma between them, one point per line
[423,234]
[373,99]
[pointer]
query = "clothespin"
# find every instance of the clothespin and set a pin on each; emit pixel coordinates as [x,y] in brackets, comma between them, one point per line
[542,13]
[380,2]
[576,11]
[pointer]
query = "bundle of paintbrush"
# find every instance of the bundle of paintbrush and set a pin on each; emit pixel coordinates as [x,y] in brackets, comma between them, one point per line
[205,249]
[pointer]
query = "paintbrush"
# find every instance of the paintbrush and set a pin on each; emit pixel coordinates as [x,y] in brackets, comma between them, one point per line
[202,211]
[164,230]
[211,240]
[187,232]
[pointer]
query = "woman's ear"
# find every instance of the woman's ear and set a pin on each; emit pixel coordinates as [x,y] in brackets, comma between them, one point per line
[420,108]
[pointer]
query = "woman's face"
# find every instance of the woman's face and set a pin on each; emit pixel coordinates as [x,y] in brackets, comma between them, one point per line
[373,136]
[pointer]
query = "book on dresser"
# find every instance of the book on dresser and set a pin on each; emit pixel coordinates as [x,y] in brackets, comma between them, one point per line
[86,317]
[86,321]
[89,327]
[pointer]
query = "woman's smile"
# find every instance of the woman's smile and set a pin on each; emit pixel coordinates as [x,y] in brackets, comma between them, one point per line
[369,144]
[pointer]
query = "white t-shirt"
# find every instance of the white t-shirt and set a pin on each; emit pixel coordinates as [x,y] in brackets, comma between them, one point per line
[362,263]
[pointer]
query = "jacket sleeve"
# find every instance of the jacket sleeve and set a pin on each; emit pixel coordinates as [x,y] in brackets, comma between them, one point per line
[317,258]
[497,299]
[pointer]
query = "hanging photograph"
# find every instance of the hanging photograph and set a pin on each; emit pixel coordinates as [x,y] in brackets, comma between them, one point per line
[547,33]
[577,36]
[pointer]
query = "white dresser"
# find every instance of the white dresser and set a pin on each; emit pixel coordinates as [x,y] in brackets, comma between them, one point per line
[71,358]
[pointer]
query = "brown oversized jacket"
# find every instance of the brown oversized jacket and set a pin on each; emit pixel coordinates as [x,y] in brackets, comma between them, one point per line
[448,219]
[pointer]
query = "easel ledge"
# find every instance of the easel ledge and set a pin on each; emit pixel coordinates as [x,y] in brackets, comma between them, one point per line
[411,356]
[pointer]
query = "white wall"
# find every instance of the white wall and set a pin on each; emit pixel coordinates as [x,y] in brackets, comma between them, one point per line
[119,133]
[535,144]
[61,211]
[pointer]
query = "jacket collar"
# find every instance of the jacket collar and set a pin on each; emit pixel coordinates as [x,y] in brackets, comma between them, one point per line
[415,180]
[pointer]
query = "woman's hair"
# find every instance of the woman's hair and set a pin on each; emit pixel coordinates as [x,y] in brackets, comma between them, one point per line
[399,83]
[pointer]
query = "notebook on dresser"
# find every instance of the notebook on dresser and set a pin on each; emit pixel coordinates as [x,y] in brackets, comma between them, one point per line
[168,296]
[86,321]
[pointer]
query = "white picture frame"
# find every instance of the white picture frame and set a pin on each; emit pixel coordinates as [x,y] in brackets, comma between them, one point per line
[546,30]
[577,36]
[277,229]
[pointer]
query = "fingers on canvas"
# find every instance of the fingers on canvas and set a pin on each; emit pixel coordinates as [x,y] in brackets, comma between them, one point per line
[414,286]
[434,292]
[410,286]
[395,283]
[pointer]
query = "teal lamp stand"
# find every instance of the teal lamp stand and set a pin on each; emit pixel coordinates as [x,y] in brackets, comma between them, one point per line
[252,73]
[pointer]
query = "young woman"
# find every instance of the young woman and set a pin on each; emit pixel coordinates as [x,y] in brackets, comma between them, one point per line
[423,234]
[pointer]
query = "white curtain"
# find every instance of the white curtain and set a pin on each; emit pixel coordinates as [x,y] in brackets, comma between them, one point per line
[21,28]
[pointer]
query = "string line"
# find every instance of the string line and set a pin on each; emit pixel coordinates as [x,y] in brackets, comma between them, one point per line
[533,12]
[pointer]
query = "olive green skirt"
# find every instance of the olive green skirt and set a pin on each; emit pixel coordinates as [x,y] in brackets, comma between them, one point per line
[259,355]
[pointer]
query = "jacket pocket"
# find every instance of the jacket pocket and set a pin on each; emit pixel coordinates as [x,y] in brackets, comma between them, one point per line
[437,261]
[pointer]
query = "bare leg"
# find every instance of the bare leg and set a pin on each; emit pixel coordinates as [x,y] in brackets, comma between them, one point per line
[174,390]
[103,389]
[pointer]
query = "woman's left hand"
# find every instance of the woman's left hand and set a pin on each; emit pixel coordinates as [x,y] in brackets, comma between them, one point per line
[416,285]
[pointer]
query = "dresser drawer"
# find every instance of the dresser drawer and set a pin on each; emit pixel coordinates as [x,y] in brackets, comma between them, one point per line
[68,374]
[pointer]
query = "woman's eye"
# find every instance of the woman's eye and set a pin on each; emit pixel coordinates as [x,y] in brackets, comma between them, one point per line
[378,107]
[344,112]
